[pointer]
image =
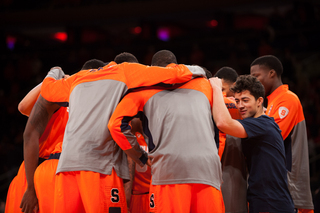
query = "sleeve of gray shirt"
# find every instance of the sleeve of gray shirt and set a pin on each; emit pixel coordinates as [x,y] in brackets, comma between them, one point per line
[56,73]
[196,71]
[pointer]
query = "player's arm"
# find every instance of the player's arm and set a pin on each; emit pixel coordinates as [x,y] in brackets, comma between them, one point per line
[56,88]
[138,75]
[221,116]
[26,104]
[120,129]
[128,185]
[285,115]
[36,124]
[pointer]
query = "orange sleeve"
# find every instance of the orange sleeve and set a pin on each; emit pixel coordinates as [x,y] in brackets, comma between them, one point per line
[57,90]
[285,114]
[138,75]
[119,123]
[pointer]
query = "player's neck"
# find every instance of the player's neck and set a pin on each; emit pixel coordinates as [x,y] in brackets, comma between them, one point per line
[275,86]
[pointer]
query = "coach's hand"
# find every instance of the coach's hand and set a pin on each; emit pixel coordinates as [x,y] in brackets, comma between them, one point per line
[29,202]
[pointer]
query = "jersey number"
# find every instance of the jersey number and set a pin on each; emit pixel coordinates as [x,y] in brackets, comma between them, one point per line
[115,195]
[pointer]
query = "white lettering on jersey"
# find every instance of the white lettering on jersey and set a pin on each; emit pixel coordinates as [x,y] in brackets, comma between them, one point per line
[268,113]
[283,112]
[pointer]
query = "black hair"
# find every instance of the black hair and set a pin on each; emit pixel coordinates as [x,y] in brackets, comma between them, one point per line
[162,58]
[250,83]
[208,72]
[125,57]
[269,61]
[227,74]
[92,64]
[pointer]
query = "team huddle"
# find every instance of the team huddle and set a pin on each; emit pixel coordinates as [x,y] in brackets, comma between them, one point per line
[125,137]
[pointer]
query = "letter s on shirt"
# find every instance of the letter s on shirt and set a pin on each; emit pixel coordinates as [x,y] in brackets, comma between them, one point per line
[283,112]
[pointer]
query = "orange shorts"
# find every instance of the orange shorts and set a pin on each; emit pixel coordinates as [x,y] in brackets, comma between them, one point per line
[90,192]
[139,203]
[16,191]
[185,198]
[305,211]
[44,183]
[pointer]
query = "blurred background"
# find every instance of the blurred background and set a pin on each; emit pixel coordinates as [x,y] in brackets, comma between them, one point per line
[37,35]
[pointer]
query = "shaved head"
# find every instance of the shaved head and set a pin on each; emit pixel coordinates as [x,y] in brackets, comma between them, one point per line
[162,58]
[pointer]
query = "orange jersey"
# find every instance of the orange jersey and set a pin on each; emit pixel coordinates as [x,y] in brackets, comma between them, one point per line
[285,107]
[53,134]
[235,114]
[58,148]
[142,175]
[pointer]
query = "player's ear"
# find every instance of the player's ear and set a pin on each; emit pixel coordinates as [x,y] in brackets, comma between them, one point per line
[260,101]
[272,73]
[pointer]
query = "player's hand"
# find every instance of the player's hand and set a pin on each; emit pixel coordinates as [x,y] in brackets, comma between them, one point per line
[57,67]
[215,83]
[66,76]
[57,73]
[29,202]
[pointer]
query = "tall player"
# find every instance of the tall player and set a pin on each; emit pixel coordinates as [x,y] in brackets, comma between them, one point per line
[285,107]
[92,167]
[261,142]
[186,170]
[234,169]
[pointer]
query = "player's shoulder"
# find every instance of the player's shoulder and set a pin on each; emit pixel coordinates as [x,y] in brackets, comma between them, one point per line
[292,95]
[289,98]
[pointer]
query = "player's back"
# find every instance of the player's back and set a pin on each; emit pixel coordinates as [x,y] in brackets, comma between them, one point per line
[93,98]
[182,131]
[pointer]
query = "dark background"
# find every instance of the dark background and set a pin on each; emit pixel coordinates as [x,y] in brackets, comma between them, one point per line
[208,33]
